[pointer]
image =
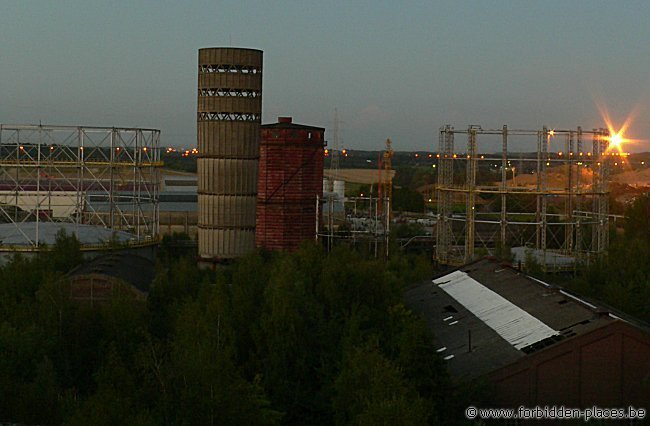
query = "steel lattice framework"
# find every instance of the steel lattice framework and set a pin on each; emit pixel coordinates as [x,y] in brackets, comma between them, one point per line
[567,216]
[103,176]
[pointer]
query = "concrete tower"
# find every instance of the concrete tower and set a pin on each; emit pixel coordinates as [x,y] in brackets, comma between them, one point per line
[289,185]
[228,129]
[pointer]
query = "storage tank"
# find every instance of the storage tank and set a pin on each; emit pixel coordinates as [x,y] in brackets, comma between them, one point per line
[228,125]
[339,189]
[290,183]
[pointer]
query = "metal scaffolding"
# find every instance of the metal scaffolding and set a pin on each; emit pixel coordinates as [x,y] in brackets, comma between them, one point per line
[102,176]
[479,209]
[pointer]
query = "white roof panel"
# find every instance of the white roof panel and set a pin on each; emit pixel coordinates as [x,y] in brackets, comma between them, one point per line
[515,325]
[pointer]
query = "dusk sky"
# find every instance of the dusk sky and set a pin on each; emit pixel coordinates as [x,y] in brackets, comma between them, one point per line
[393,69]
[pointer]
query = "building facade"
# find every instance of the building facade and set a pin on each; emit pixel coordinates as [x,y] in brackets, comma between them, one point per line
[535,343]
[290,184]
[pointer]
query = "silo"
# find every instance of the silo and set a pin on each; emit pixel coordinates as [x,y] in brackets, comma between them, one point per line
[228,129]
[290,183]
[339,189]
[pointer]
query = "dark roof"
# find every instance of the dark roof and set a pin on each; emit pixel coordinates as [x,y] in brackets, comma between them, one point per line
[454,318]
[296,126]
[130,268]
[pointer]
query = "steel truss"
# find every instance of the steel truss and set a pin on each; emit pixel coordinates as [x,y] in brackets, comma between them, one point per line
[102,176]
[544,215]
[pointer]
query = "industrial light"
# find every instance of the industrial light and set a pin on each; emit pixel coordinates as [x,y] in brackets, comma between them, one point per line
[616,140]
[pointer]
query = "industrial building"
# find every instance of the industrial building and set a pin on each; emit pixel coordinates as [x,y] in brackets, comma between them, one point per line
[93,240]
[178,204]
[535,343]
[290,184]
[111,276]
[98,183]
[228,129]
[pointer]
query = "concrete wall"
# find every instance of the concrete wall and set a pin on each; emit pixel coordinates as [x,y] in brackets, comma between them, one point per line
[228,120]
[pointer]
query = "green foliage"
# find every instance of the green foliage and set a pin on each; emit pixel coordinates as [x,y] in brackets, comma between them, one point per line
[176,161]
[408,230]
[637,219]
[413,177]
[533,267]
[175,246]
[372,390]
[409,200]
[66,252]
[622,277]
[301,338]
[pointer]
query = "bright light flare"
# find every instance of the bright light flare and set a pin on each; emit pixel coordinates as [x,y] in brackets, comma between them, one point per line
[618,140]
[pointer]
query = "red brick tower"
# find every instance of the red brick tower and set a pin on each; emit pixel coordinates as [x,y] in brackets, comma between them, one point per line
[289,181]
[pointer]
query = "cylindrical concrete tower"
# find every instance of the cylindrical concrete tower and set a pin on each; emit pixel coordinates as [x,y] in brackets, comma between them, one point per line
[228,128]
[290,184]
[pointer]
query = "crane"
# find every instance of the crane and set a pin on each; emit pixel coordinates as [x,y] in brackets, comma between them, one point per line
[385,184]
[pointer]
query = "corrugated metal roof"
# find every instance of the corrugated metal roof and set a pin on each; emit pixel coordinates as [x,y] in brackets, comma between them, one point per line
[479,349]
[515,325]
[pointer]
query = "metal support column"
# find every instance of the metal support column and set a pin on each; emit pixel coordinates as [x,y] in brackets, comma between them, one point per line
[471,195]
[445,180]
[503,223]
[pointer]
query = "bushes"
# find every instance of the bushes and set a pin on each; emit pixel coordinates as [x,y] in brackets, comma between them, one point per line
[302,338]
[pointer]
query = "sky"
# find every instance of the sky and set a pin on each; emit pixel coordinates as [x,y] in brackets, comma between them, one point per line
[398,69]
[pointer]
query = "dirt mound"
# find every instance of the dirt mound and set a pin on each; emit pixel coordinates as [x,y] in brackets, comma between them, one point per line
[633,177]
[556,177]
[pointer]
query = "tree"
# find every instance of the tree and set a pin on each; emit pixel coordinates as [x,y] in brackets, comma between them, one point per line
[405,199]
[371,390]
[66,252]
[637,218]
[209,387]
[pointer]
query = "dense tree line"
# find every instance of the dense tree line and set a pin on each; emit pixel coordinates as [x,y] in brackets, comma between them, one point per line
[176,161]
[303,338]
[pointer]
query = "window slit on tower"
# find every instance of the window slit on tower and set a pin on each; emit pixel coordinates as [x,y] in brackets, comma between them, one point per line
[227,68]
